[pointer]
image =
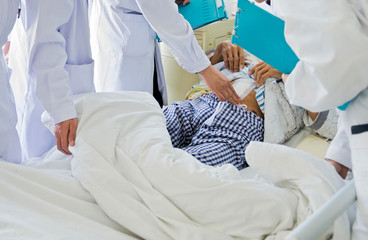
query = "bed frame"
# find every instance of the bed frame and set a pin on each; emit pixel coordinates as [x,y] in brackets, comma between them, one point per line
[318,223]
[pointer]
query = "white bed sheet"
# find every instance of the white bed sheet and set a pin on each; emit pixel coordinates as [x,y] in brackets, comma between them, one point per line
[298,137]
[42,200]
[126,181]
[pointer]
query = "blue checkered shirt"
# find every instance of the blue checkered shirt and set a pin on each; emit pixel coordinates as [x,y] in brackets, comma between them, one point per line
[213,134]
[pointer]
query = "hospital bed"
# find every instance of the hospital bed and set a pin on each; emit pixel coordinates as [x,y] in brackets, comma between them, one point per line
[315,145]
[125,181]
[323,218]
[309,142]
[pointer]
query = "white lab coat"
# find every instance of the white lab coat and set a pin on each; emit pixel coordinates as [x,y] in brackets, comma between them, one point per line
[59,64]
[9,141]
[331,40]
[18,62]
[125,48]
[339,149]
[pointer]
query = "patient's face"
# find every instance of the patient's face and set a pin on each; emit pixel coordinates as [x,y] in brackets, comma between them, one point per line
[252,104]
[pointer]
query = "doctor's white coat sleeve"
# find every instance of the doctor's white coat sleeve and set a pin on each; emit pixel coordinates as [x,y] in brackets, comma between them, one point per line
[47,55]
[332,45]
[175,32]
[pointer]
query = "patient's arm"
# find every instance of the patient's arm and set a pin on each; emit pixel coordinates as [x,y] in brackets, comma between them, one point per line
[323,123]
[312,115]
[262,71]
[232,55]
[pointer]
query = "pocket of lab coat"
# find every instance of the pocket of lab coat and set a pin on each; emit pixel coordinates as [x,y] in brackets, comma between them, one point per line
[81,77]
[138,36]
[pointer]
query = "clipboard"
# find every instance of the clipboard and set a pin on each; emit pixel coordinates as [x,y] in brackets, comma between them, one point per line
[262,34]
[202,12]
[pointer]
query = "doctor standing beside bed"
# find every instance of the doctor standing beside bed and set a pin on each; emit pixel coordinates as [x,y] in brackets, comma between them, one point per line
[325,79]
[58,64]
[126,52]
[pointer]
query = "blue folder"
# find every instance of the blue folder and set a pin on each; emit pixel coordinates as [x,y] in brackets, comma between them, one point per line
[202,12]
[262,34]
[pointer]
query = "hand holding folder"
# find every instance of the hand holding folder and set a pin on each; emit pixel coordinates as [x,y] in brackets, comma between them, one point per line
[262,34]
[202,12]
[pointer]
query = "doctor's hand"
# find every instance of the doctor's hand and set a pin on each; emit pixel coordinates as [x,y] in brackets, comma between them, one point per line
[340,169]
[232,55]
[65,134]
[262,71]
[219,85]
[184,2]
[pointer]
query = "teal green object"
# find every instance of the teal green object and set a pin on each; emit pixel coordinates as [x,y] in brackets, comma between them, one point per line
[202,12]
[262,34]
[343,107]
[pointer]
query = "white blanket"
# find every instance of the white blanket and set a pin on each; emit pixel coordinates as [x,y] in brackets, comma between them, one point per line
[147,189]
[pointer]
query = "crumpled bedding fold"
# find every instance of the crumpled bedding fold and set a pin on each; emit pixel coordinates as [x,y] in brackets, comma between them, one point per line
[124,158]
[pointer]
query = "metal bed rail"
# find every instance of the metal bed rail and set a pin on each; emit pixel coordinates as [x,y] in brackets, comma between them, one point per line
[318,223]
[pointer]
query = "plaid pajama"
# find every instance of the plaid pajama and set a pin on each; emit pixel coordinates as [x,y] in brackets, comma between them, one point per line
[220,141]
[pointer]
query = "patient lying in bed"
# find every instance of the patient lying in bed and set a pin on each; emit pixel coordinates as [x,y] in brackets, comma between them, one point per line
[126,181]
[216,132]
